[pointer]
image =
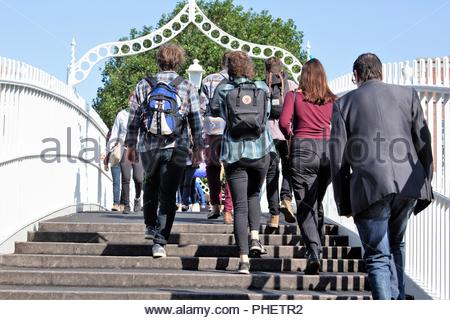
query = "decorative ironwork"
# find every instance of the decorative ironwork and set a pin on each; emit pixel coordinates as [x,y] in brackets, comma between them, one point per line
[79,70]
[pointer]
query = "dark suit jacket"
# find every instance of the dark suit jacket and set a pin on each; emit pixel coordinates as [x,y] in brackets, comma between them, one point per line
[380,145]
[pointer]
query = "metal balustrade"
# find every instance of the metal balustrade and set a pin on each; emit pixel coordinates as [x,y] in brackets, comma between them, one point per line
[427,238]
[39,112]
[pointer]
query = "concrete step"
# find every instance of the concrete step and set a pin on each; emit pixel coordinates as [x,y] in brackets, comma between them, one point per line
[178,238]
[131,278]
[181,263]
[204,227]
[102,293]
[109,249]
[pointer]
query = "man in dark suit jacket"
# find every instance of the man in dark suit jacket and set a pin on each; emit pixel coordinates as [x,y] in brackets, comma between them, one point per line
[382,166]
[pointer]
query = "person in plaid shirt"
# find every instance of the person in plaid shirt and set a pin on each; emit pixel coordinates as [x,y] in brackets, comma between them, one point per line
[213,127]
[164,157]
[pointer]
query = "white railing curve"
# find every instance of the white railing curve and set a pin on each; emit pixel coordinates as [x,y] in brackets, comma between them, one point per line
[50,141]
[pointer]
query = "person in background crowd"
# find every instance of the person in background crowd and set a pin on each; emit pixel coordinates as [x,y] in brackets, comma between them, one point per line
[246,148]
[382,167]
[165,108]
[186,186]
[309,110]
[279,86]
[118,133]
[213,129]
[115,172]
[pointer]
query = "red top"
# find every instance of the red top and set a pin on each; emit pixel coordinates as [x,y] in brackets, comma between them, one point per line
[311,121]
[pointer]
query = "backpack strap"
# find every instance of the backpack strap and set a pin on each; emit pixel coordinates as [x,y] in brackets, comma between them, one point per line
[293,115]
[152,81]
[177,81]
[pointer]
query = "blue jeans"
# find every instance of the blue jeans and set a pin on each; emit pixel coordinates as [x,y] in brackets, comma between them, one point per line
[200,192]
[115,172]
[381,229]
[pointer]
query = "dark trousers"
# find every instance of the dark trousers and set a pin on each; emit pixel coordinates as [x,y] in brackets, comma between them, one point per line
[382,228]
[138,176]
[188,186]
[273,176]
[163,175]
[311,175]
[246,178]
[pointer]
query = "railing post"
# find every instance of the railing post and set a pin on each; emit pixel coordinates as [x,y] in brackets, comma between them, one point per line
[430,80]
[422,72]
[446,70]
[446,144]
[438,68]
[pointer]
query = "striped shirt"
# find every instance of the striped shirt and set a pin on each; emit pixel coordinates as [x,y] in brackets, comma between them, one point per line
[212,126]
[119,130]
[232,150]
[190,108]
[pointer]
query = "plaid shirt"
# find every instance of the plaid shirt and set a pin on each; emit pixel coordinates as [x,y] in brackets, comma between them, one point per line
[234,150]
[212,125]
[190,108]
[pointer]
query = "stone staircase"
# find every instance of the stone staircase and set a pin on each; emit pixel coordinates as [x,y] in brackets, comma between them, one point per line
[105,256]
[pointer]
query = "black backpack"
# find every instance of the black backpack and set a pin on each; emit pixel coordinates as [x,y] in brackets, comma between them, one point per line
[246,111]
[213,106]
[278,86]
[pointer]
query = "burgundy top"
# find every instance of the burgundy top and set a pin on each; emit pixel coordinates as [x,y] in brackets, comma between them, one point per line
[311,121]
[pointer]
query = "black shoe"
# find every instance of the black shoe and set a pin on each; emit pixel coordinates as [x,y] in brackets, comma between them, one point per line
[152,233]
[184,207]
[126,210]
[256,249]
[313,263]
[244,267]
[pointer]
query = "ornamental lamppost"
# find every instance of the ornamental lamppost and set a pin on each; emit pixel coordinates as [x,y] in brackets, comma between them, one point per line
[195,73]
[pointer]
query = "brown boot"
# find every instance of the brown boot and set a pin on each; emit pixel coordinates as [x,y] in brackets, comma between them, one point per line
[274,221]
[227,217]
[288,211]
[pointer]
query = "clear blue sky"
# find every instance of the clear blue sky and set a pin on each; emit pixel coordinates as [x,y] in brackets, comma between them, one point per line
[40,32]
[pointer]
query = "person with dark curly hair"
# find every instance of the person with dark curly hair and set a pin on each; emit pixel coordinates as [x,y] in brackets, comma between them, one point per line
[245,160]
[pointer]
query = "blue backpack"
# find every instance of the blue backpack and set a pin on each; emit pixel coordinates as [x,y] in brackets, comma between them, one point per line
[161,114]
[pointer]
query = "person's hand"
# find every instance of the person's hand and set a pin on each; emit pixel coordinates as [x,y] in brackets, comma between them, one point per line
[106,162]
[197,158]
[132,155]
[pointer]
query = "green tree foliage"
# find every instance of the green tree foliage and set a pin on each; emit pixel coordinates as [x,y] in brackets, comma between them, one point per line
[121,75]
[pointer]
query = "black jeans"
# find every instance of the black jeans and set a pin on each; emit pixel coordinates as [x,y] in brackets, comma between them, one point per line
[311,175]
[188,187]
[163,173]
[273,175]
[246,178]
[138,176]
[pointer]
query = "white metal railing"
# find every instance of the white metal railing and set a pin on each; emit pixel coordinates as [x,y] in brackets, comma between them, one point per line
[41,115]
[427,238]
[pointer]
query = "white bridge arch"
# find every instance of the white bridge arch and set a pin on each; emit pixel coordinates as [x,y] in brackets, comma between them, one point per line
[191,13]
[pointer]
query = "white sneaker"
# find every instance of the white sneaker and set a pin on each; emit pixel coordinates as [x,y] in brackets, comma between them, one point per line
[195,207]
[158,251]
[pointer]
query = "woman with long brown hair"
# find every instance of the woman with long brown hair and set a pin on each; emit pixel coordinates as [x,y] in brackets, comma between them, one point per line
[309,110]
